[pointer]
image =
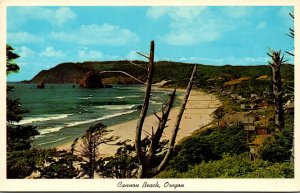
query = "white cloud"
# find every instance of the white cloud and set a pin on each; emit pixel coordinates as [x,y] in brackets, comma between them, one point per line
[176,13]
[190,25]
[89,55]
[261,25]
[156,12]
[62,15]
[57,16]
[84,54]
[247,60]
[23,37]
[228,60]
[132,55]
[51,52]
[25,52]
[95,34]
[284,11]
[183,33]
[238,11]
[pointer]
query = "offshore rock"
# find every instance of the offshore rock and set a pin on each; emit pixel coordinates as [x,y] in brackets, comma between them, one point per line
[91,80]
[40,85]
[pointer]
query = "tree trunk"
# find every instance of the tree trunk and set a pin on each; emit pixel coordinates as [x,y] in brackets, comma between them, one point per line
[277,91]
[145,156]
[277,60]
[141,119]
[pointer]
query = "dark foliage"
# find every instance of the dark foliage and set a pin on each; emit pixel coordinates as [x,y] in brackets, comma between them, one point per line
[19,164]
[11,66]
[122,165]
[234,166]
[209,145]
[60,165]
[14,111]
[91,141]
[20,157]
[278,148]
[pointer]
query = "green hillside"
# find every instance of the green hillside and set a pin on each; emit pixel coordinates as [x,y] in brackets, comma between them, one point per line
[179,73]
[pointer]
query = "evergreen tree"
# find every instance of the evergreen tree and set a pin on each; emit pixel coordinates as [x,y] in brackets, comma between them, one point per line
[19,159]
[91,141]
[11,66]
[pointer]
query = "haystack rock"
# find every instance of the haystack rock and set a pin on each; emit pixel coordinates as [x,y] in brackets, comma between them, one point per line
[91,80]
[40,85]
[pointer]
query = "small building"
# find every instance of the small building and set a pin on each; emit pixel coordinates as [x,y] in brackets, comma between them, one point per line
[254,106]
[289,106]
[253,96]
[262,131]
[248,123]
[240,98]
[243,106]
[250,128]
[248,120]
[226,93]
[263,104]
[234,96]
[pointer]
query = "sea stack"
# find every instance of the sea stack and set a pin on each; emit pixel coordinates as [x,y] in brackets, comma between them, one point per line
[91,80]
[40,85]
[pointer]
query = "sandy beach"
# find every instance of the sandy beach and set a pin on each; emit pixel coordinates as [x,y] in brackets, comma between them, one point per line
[197,114]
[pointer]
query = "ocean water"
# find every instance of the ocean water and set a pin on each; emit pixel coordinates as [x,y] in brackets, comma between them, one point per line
[62,113]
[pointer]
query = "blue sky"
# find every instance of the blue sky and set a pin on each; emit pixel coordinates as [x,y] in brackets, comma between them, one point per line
[47,36]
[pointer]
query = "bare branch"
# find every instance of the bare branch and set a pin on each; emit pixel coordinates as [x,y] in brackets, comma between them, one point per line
[122,72]
[144,109]
[177,123]
[161,126]
[144,55]
[136,64]
[289,53]
[159,118]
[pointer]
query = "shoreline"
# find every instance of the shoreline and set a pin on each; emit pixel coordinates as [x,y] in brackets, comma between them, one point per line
[197,114]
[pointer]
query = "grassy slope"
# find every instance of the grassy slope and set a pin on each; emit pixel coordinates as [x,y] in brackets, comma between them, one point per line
[177,72]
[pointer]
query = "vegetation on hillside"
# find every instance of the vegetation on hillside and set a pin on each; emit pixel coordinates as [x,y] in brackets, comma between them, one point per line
[225,150]
[207,76]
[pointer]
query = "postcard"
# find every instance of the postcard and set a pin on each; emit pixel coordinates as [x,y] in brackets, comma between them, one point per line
[149,96]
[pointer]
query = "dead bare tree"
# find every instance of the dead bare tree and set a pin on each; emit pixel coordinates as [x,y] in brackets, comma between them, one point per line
[147,168]
[291,33]
[277,59]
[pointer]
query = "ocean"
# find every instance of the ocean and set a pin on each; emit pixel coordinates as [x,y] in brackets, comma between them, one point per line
[62,113]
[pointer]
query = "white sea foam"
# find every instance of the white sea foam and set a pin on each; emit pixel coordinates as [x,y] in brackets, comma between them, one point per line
[157,103]
[85,98]
[99,119]
[116,107]
[133,96]
[50,130]
[120,97]
[44,118]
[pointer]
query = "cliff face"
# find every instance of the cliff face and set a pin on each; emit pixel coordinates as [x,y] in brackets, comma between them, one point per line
[62,73]
[75,72]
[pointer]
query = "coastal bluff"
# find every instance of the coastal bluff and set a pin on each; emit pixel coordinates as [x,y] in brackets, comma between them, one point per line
[76,72]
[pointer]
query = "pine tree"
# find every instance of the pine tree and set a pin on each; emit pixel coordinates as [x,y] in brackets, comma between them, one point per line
[19,138]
